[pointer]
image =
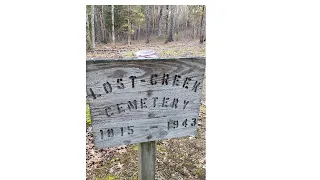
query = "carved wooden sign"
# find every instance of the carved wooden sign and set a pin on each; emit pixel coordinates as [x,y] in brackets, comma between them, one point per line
[142,100]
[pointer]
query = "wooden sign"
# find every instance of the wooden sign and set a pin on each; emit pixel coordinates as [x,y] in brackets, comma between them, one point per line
[143,100]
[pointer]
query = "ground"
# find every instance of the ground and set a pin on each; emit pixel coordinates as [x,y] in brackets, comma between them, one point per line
[172,49]
[177,158]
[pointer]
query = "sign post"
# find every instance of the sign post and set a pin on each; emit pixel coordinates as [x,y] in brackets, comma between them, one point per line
[147,160]
[143,100]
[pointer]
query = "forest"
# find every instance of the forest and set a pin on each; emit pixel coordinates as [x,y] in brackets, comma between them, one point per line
[127,24]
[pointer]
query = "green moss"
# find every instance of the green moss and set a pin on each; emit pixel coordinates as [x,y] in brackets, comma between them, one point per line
[108,177]
[134,147]
[88,117]
[200,172]
[128,54]
[203,109]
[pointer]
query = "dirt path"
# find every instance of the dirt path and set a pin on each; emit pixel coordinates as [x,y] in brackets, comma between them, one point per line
[177,158]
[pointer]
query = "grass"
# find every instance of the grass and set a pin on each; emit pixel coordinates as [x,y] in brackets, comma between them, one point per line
[128,54]
[172,49]
[88,117]
[108,177]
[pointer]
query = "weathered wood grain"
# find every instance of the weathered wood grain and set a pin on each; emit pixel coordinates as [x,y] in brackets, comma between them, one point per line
[135,101]
[147,160]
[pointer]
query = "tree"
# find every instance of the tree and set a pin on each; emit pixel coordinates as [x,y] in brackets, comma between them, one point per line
[147,24]
[171,16]
[203,25]
[112,16]
[167,19]
[115,23]
[129,26]
[88,39]
[159,20]
[92,28]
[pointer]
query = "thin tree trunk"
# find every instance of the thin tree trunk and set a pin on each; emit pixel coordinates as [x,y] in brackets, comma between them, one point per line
[88,33]
[177,20]
[159,20]
[101,21]
[92,28]
[170,35]
[148,24]
[167,19]
[187,17]
[193,31]
[202,30]
[129,26]
[139,32]
[112,16]
[153,19]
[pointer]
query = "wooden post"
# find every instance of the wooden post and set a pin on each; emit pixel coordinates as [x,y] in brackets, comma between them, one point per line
[147,160]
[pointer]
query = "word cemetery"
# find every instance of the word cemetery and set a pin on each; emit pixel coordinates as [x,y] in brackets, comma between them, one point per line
[142,100]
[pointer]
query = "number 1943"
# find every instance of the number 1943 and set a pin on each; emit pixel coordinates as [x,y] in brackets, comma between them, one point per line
[186,123]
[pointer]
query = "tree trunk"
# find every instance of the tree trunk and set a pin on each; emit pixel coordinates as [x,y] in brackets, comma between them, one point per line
[170,35]
[153,19]
[103,29]
[139,30]
[93,45]
[176,24]
[129,26]
[148,24]
[187,18]
[112,16]
[194,32]
[159,20]
[101,24]
[203,24]
[88,33]
[167,19]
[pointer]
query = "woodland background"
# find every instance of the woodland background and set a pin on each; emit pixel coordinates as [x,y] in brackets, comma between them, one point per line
[118,31]
[148,23]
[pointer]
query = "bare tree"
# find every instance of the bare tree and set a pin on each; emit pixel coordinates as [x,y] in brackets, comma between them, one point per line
[129,26]
[88,39]
[153,18]
[171,16]
[92,28]
[102,24]
[112,16]
[167,19]
[159,20]
[148,24]
[203,25]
